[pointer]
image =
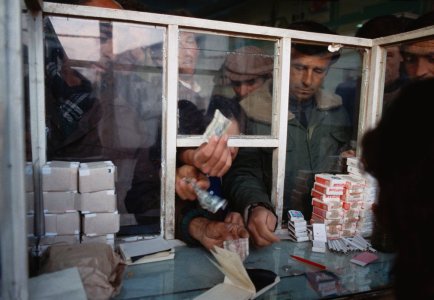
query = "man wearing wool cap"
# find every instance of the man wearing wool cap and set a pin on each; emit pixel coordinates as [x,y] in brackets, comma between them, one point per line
[249,70]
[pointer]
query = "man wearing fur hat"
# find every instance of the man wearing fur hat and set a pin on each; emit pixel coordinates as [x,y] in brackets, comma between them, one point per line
[249,71]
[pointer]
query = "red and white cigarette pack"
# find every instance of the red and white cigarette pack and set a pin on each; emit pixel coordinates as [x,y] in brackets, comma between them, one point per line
[324,197]
[319,219]
[329,180]
[352,197]
[334,214]
[327,205]
[352,205]
[353,182]
[329,190]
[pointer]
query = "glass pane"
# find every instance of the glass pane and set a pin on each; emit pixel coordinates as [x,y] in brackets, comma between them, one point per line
[322,121]
[214,69]
[104,102]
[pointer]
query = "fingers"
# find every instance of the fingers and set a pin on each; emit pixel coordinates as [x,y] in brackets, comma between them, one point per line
[184,190]
[214,158]
[234,217]
[261,226]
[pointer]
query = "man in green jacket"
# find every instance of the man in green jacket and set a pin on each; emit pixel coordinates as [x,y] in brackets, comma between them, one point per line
[318,132]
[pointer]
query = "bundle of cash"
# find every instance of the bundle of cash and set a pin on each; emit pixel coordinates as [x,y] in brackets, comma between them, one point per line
[207,200]
[239,246]
[218,126]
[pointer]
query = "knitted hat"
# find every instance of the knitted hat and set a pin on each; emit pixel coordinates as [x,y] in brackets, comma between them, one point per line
[248,63]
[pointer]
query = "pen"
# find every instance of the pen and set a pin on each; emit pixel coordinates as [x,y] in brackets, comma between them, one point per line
[309,262]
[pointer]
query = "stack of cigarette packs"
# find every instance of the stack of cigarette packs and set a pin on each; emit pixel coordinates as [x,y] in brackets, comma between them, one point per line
[343,202]
[79,203]
[297,226]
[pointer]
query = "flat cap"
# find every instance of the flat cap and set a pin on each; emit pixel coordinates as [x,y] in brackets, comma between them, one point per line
[247,63]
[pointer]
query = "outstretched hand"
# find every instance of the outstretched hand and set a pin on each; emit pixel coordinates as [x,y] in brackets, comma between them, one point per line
[212,158]
[261,226]
[184,189]
[213,233]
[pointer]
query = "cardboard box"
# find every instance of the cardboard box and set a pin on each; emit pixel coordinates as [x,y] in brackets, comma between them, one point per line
[96,176]
[62,224]
[59,176]
[100,223]
[56,240]
[60,202]
[102,201]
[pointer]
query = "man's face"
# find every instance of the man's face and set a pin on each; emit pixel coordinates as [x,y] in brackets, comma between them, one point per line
[307,74]
[419,59]
[243,88]
[188,53]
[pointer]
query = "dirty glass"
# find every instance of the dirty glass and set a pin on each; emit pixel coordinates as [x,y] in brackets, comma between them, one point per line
[324,99]
[103,84]
[231,74]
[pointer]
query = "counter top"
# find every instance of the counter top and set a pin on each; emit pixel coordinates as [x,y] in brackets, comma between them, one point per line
[191,273]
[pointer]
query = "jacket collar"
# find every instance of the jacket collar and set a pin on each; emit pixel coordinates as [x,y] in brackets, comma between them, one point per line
[325,100]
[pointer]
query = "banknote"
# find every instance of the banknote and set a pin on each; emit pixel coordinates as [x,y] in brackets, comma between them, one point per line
[218,126]
[239,246]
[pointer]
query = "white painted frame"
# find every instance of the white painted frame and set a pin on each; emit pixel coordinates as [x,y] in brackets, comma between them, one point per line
[12,212]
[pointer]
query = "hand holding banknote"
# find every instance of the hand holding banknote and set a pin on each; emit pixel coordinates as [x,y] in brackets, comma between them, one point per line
[213,157]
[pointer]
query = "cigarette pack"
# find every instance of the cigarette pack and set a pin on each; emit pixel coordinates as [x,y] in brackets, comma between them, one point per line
[353,162]
[364,258]
[335,214]
[329,180]
[295,215]
[324,197]
[319,219]
[298,239]
[352,205]
[329,205]
[352,197]
[333,229]
[328,190]
[353,182]
[352,213]
[355,171]
[297,232]
[297,224]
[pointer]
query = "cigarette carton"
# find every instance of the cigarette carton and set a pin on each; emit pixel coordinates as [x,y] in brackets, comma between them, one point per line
[100,223]
[59,176]
[102,201]
[96,176]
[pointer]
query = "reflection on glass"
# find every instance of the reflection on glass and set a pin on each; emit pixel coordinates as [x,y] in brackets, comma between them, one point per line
[237,68]
[319,125]
[103,102]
